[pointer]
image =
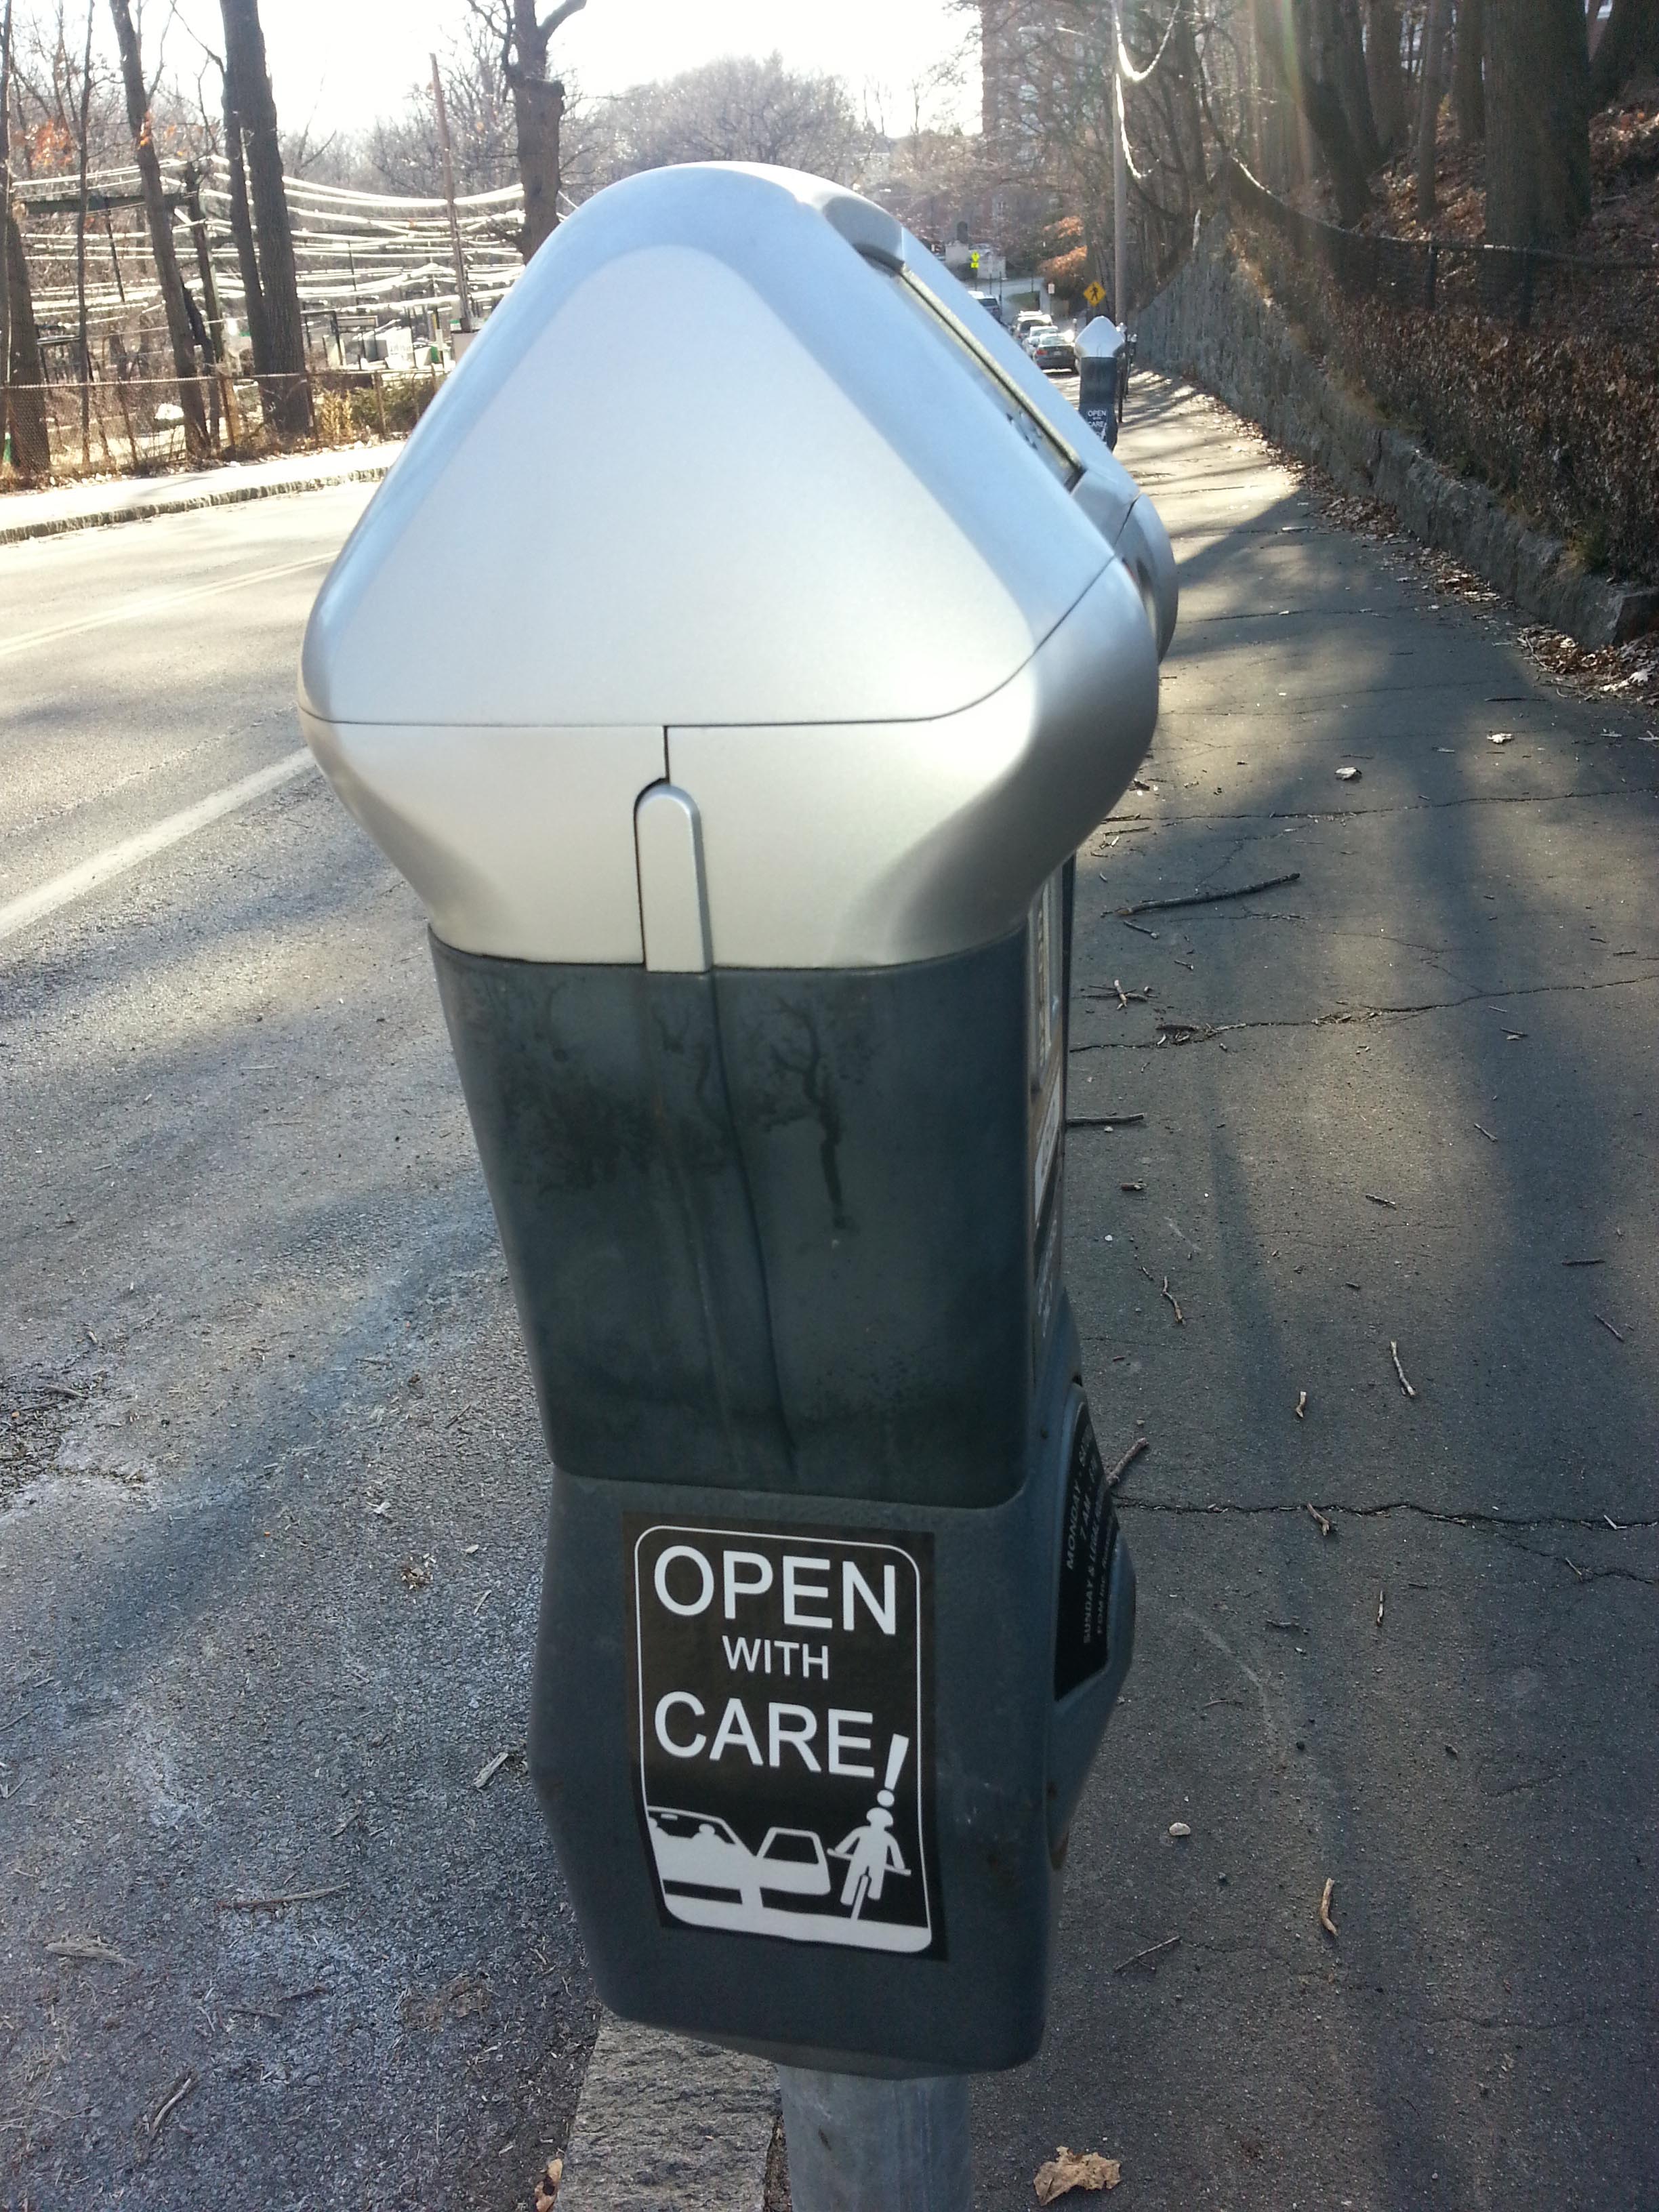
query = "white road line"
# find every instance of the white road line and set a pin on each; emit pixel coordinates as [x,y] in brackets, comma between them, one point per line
[154,603]
[132,852]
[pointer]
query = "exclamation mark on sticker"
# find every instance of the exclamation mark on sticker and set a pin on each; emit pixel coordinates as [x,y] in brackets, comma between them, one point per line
[895,1752]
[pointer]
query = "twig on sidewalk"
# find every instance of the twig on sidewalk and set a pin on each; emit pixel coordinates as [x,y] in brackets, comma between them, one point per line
[1608,1326]
[170,2106]
[1208,899]
[1325,1527]
[1127,1461]
[1174,1302]
[1136,1958]
[275,1904]
[1394,1354]
[1103,1121]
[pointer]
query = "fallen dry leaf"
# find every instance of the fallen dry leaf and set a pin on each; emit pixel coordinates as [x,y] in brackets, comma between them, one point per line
[1325,1919]
[1068,2169]
[547,2184]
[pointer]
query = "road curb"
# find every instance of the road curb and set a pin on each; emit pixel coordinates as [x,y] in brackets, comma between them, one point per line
[666,2125]
[234,494]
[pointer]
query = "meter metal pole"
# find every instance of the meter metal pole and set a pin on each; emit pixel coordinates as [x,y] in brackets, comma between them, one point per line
[859,2144]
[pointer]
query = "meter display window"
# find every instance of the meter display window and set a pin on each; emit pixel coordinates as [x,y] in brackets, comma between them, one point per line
[1005,395]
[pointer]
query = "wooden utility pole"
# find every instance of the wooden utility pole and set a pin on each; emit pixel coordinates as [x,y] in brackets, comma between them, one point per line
[160,219]
[464,295]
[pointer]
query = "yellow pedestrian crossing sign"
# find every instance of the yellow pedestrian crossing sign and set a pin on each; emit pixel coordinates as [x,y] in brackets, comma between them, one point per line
[1094,294]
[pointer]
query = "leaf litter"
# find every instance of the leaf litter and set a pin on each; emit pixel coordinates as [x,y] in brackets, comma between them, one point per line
[1069,2169]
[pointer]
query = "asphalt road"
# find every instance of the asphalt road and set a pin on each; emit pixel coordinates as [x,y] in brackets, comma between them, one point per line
[271,1492]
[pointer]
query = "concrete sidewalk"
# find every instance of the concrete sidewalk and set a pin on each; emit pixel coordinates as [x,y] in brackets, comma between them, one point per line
[1404,1099]
[48,513]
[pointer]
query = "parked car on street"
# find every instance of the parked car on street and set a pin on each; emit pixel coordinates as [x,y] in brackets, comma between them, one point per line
[1049,349]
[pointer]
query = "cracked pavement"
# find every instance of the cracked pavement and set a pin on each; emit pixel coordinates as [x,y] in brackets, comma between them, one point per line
[1409,1100]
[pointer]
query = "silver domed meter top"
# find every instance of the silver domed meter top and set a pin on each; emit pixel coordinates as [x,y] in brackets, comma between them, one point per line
[738,490]
[733,663]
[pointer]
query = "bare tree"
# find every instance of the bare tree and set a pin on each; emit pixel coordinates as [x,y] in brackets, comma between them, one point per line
[1538,171]
[159,218]
[23,377]
[5,224]
[403,151]
[251,117]
[1468,87]
[83,348]
[1630,43]
[1383,73]
[31,448]
[739,110]
[1430,94]
[1304,41]
[523,38]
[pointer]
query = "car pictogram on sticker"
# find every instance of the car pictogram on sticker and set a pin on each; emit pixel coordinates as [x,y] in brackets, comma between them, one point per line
[698,1857]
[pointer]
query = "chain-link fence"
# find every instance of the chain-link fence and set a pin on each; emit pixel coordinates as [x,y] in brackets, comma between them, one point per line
[1521,285]
[147,425]
[1531,372]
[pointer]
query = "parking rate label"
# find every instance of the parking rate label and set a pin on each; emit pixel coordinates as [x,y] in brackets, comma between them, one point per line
[783,1758]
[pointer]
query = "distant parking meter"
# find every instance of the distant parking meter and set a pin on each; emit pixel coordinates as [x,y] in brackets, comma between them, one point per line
[736,729]
[1102,359]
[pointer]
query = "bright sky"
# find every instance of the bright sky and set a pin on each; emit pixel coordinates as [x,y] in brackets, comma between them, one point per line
[351,60]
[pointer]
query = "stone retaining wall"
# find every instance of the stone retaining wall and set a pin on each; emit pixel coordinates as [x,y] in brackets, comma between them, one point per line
[1212,325]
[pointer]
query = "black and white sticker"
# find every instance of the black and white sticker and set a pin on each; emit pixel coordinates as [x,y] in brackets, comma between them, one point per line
[783,1725]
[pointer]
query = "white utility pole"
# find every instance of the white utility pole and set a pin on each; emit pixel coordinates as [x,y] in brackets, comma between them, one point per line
[1120,173]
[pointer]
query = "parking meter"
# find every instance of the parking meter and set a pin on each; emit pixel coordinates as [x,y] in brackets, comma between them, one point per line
[1101,351]
[737,727]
